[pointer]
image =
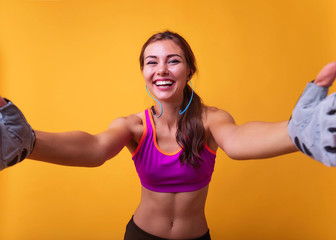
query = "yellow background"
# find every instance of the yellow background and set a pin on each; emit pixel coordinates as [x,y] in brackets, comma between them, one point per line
[73,65]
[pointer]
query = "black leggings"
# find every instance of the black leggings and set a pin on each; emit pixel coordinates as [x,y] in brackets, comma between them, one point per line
[133,232]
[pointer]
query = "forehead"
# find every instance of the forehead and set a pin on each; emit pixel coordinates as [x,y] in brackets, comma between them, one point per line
[163,48]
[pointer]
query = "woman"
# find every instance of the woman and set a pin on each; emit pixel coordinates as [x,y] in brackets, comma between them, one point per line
[173,144]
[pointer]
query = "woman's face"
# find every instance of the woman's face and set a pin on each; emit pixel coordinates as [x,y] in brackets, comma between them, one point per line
[165,70]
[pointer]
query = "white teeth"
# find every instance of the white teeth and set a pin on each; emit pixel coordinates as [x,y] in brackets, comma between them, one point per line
[161,83]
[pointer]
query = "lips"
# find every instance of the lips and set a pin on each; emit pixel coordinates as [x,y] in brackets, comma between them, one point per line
[164,83]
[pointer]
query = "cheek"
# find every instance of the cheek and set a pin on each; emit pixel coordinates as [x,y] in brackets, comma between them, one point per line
[182,73]
[146,74]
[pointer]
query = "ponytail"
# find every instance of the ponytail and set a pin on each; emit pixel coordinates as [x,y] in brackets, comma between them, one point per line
[190,132]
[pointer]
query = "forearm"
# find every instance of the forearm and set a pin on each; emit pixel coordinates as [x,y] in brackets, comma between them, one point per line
[257,140]
[70,148]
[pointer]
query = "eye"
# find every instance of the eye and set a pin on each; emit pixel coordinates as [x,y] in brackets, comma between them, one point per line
[151,63]
[174,61]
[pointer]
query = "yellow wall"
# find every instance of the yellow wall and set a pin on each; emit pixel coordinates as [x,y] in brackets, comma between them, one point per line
[73,65]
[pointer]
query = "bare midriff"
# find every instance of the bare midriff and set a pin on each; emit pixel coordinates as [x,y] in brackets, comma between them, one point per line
[172,215]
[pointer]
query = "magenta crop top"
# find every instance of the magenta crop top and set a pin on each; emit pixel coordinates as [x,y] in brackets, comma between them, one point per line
[162,172]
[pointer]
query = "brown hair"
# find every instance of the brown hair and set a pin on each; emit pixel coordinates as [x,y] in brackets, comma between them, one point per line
[190,133]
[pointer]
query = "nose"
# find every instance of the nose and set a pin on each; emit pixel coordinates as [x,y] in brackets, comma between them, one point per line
[162,69]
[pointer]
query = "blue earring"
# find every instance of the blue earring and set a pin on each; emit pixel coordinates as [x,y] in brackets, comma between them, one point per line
[192,94]
[157,101]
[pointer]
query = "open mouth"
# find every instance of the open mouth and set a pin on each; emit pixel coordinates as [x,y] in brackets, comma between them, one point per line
[164,83]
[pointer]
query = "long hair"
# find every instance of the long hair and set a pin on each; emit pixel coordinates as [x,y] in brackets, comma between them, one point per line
[190,132]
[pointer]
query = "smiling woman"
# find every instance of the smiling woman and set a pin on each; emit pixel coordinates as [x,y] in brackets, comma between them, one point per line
[174,154]
[167,57]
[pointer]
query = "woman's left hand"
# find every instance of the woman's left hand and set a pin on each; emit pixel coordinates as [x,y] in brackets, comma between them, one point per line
[326,76]
[313,124]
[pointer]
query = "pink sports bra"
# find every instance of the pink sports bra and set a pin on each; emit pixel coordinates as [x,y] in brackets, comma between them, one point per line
[162,172]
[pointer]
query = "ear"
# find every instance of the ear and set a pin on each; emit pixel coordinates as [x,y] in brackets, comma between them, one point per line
[189,75]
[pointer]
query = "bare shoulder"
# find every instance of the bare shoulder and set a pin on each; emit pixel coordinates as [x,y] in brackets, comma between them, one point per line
[216,123]
[214,115]
[128,120]
[131,122]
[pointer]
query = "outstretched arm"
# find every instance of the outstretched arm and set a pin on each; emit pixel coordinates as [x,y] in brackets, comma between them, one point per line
[79,148]
[74,148]
[252,140]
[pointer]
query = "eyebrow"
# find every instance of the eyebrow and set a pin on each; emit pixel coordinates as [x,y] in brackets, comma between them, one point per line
[169,56]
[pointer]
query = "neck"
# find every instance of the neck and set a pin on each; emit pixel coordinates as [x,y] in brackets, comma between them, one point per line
[170,114]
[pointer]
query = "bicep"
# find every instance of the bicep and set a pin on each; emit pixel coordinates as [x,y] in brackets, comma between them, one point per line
[252,140]
[258,140]
[115,138]
[222,127]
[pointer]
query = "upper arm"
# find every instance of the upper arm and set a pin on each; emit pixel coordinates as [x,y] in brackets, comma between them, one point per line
[222,127]
[116,137]
[252,140]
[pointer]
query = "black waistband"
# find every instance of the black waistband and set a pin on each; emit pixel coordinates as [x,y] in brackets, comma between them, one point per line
[133,232]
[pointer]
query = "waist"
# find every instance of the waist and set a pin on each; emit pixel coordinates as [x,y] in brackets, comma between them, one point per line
[172,228]
[172,215]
